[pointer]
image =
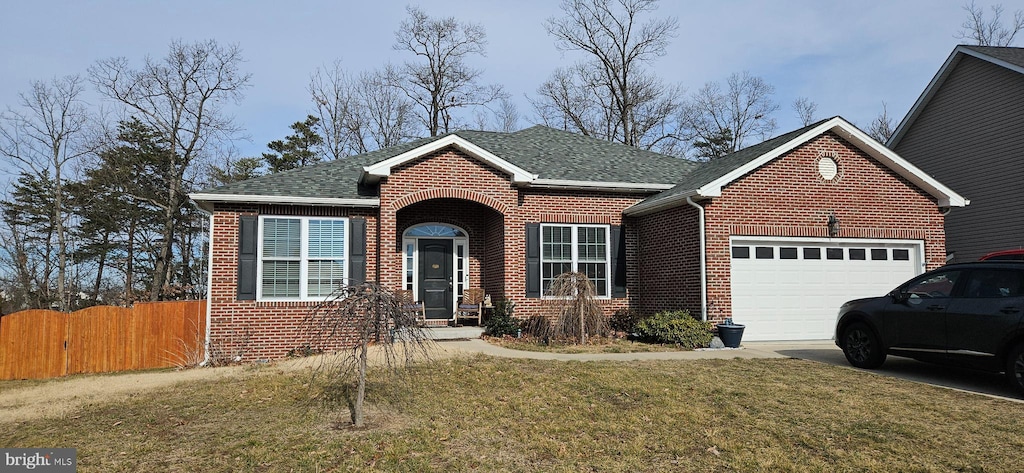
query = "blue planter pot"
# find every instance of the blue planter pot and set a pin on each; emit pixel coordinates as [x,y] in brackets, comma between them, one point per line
[730,334]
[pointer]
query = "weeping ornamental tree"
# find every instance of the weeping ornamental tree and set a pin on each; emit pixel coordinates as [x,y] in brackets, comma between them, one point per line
[573,309]
[369,314]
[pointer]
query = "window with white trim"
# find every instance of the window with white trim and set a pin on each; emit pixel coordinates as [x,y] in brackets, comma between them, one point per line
[302,258]
[581,248]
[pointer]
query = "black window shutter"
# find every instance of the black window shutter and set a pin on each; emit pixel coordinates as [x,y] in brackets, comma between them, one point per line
[618,240]
[247,236]
[533,260]
[357,251]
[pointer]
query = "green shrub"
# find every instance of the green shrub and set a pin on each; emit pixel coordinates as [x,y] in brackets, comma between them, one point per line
[676,327]
[624,320]
[501,322]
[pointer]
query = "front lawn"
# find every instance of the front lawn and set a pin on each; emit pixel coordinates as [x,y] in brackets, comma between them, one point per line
[602,345]
[490,414]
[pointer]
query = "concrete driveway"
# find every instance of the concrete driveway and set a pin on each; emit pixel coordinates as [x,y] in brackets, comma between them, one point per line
[898,367]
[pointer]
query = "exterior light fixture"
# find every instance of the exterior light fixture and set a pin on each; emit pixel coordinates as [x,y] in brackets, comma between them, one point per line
[833,225]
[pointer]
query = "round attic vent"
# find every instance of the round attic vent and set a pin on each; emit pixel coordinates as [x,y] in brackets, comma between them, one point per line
[828,168]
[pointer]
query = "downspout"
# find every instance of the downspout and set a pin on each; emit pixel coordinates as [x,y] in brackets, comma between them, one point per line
[209,286]
[703,260]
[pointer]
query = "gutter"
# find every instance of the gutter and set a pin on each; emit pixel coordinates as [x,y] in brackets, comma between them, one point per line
[648,206]
[629,187]
[205,199]
[209,286]
[703,261]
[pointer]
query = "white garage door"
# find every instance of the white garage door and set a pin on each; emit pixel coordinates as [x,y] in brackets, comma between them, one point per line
[789,289]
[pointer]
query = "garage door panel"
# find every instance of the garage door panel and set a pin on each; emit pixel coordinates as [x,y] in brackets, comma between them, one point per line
[797,299]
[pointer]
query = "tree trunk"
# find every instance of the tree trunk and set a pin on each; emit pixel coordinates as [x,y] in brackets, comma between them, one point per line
[62,244]
[357,415]
[100,266]
[129,266]
[583,327]
[163,258]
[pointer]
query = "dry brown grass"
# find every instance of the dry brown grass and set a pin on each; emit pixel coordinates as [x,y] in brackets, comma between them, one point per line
[480,413]
[594,345]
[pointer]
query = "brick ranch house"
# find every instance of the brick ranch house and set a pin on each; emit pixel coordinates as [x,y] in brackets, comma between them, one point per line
[775,236]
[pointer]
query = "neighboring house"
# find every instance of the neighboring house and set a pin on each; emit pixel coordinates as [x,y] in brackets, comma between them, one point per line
[967,130]
[788,229]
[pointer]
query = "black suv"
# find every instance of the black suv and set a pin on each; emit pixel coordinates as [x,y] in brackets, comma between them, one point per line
[966,315]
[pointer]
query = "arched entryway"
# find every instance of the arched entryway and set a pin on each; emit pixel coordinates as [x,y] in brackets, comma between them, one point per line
[447,246]
[435,266]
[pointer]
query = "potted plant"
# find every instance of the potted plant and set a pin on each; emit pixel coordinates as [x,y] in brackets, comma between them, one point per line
[730,333]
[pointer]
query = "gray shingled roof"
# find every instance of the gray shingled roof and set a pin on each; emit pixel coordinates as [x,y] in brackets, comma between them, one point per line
[1013,56]
[556,154]
[549,153]
[714,169]
[333,179]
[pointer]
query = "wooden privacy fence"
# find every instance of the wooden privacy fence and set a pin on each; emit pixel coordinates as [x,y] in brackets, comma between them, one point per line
[45,343]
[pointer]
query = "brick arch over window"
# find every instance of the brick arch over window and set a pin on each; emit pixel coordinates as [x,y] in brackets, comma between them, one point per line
[448,193]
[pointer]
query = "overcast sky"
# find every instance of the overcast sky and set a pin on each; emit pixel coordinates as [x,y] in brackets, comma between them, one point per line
[848,57]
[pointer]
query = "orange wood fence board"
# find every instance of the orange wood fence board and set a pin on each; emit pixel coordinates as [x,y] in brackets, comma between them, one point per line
[44,343]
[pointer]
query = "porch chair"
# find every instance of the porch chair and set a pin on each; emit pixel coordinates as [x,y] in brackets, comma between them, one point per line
[409,304]
[472,305]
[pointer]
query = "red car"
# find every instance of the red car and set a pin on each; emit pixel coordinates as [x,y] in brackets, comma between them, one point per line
[1005,255]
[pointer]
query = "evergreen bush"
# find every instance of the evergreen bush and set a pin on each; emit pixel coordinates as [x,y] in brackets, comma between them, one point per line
[676,327]
[501,322]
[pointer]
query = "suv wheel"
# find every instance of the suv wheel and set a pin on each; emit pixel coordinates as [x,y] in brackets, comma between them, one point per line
[862,348]
[1015,367]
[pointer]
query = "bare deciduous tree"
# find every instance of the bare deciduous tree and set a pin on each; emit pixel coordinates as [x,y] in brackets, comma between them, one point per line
[373,315]
[610,95]
[440,82]
[504,118]
[882,127]
[362,113]
[989,32]
[805,110]
[388,114]
[44,138]
[181,97]
[332,95]
[742,111]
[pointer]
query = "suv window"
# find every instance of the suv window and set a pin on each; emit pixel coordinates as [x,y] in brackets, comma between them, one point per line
[989,283]
[933,285]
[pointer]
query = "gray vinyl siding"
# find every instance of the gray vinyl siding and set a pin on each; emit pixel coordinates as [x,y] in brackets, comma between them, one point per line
[970,136]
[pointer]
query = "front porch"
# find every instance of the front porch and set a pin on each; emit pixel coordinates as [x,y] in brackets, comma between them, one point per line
[453,333]
[447,247]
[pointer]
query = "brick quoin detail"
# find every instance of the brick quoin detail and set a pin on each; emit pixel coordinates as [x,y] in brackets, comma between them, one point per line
[784,198]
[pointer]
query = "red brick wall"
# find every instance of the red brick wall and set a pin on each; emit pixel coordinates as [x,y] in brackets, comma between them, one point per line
[787,197]
[669,261]
[263,330]
[498,258]
[448,187]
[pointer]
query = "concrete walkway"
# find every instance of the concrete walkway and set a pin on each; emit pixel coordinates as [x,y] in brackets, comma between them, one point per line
[746,350]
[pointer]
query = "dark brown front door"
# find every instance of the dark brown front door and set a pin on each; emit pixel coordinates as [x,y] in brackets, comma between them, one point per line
[435,260]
